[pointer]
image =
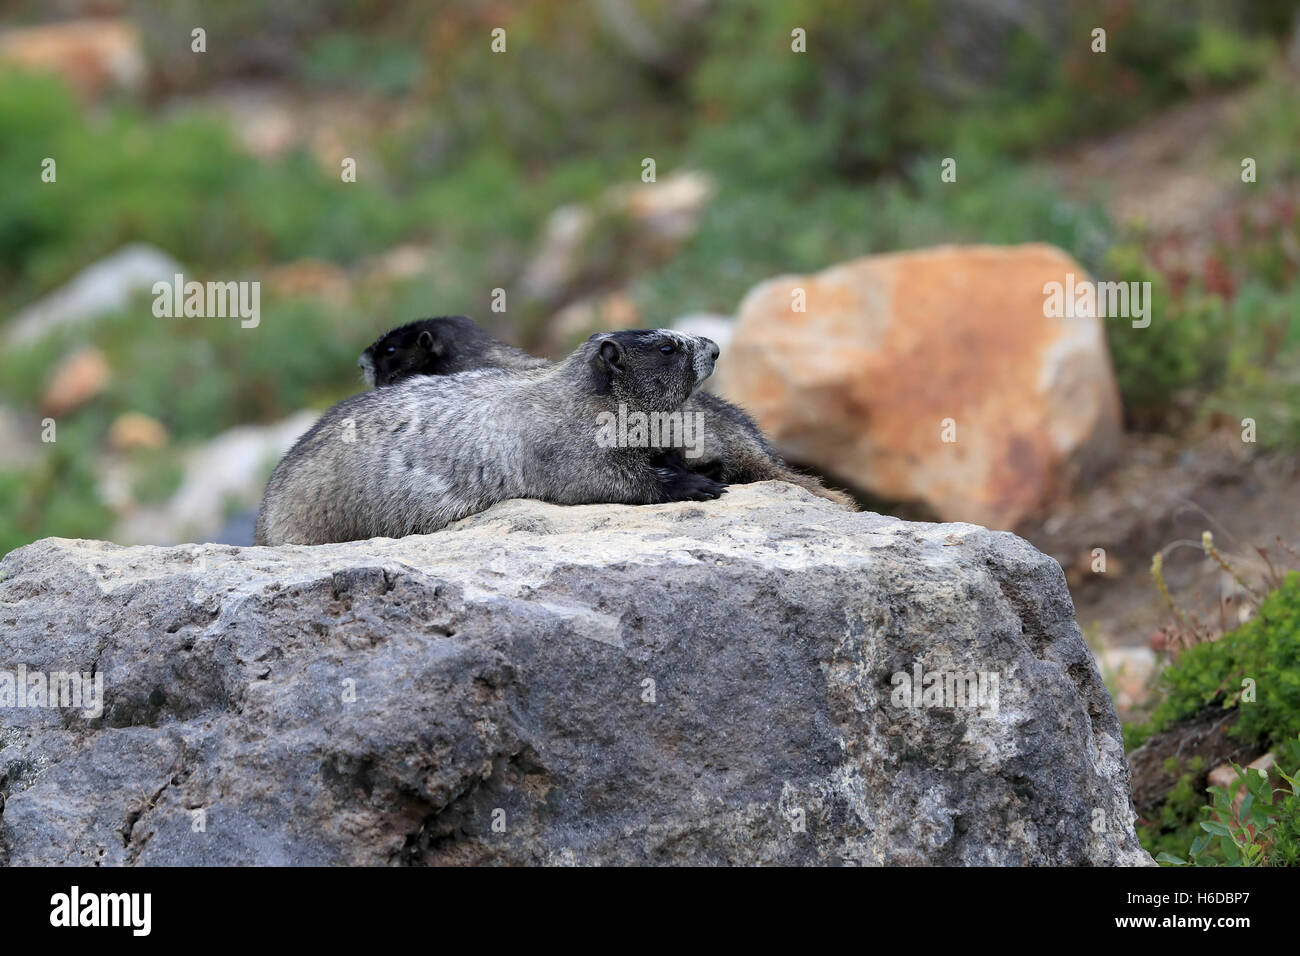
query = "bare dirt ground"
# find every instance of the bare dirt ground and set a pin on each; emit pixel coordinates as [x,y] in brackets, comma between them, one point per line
[1164,175]
[1163,495]
[1170,181]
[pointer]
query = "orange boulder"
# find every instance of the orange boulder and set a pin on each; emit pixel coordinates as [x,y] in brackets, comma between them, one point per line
[931,376]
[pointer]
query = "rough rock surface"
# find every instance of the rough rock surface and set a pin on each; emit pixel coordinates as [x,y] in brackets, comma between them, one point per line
[890,347]
[684,683]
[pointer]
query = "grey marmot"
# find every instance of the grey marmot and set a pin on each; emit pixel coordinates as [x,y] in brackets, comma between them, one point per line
[735,450]
[416,455]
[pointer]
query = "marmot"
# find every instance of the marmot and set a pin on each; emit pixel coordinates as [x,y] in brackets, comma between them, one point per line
[735,451]
[442,346]
[412,457]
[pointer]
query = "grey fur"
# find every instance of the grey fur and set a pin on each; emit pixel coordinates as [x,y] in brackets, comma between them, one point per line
[412,457]
[735,449]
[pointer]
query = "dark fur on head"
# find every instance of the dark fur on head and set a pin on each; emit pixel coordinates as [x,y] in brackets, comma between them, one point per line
[443,345]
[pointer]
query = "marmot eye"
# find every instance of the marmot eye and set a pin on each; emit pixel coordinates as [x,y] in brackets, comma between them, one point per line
[390,350]
[667,349]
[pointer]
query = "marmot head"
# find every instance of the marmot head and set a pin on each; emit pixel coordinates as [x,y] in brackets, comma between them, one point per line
[649,369]
[439,346]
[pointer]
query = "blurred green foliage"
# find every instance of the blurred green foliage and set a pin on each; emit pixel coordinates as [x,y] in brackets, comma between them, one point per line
[58,495]
[1249,822]
[1264,651]
[818,157]
[178,183]
[1254,670]
[1175,827]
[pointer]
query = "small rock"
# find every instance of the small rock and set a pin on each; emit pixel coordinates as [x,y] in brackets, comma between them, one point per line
[397,264]
[310,278]
[1128,670]
[1221,776]
[228,471]
[670,210]
[662,215]
[105,287]
[19,437]
[265,124]
[81,376]
[1224,776]
[574,323]
[1085,569]
[720,328]
[711,326]
[93,56]
[133,430]
[557,262]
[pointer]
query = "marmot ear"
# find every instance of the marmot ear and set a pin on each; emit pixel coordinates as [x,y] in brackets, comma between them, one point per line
[611,353]
[425,341]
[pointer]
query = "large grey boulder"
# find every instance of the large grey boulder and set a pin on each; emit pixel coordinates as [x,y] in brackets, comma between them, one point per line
[685,683]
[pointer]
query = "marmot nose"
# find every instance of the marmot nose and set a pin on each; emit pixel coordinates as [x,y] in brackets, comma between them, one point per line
[713,349]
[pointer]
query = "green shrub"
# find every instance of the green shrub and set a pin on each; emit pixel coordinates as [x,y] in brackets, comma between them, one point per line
[1256,670]
[58,494]
[384,65]
[1242,352]
[1175,828]
[1260,659]
[1182,348]
[180,184]
[1262,830]
[885,82]
[1219,56]
[1261,370]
